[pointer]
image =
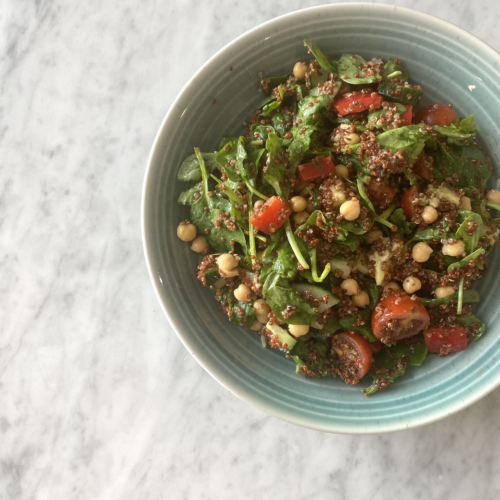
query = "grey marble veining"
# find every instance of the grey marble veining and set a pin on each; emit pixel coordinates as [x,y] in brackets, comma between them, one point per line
[98,398]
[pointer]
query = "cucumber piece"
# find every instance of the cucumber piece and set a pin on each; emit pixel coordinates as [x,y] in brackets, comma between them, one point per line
[283,337]
[341,265]
[317,291]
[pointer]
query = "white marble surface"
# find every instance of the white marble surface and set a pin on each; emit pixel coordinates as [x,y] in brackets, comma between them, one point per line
[98,398]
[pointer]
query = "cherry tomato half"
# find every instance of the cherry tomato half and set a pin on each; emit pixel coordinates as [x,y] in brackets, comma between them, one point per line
[271,215]
[423,167]
[355,356]
[355,103]
[407,115]
[308,171]
[435,114]
[399,317]
[381,194]
[442,341]
[406,201]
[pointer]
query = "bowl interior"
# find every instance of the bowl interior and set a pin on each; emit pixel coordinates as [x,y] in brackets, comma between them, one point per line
[452,66]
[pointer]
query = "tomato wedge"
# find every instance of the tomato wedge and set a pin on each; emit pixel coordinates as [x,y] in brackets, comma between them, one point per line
[435,114]
[309,171]
[381,194]
[399,317]
[355,356]
[442,341]
[355,103]
[408,114]
[423,167]
[406,201]
[271,215]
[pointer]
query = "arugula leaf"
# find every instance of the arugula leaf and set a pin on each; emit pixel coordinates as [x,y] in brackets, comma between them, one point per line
[391,67]
[364,196]
[400,93]
[408,139]
[275,172]
[349,67]
[190,167]
[279,295]
[330,66]
[430,233]
[465,261]
[469,297]
[469,162]
[471,242]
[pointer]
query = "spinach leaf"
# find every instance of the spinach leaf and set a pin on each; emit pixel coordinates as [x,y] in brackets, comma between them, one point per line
[465,261]
[391,67]
[408,139]
[330,66]
[470,321]
[280,122]
[400,93]
[187,197]
[206,210]
[320,363]
[283,263]
[374,116]
[471,242]
[404,227]
[261,131]
[190,167]
[268,84]
[275,169]
[310,106]
[364,196]
[279,295]
[469,162]
[459,134]
[430,233]
[468,125]
[347,323]
[243,313]
[349,70]
[469,297]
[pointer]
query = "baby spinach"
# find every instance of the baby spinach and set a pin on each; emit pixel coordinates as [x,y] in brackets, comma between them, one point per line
[258,130]
[349,70]
[374,116]
[347,323]
[278,258]
[320,362]
[275,169]
[472,320]
[404,227]
[330,66]
[309,107]
[469,162]
[280,122]
[279,295]
[469,297]
[187,197]
[391,67]
[406,95]
[269,83]
[471,241]
[243,313]
[408,139]
[460,132]
[190,167]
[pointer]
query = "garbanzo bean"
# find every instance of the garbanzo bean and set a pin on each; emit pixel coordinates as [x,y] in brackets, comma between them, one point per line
[350,286]
[350,209]
[421,252]
[361,299]
[429,214]
[243,293]
[443,291]
[298,203]
[453,249]
[298,330]
[228,265]
[200,244]
[300,70]
[186,232]
[412,284]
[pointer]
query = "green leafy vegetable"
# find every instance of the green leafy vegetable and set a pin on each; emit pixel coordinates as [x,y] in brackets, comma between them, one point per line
[471,241]
[400,93]
[268,84]
[349,70]
[465,261]
[330,66]
[408,139]
[190,167]
[470,321]
[391,67]
[469,297]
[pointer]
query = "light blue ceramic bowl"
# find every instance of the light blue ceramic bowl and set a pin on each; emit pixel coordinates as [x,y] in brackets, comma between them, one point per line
[452,66]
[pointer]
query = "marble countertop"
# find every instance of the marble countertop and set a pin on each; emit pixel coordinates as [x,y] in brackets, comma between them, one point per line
[98,398]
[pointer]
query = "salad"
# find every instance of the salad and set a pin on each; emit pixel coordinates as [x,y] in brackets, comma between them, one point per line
[347,226]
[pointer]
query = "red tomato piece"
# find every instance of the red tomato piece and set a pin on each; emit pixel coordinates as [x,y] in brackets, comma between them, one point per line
[355,356]
[309,171]
[376,346]
[435,114]
[442,341]
[407,115]
[271,215]
[406,201]
[355,103]
[399,317]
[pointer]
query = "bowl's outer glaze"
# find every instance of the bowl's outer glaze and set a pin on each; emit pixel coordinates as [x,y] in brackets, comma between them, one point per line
[452,66]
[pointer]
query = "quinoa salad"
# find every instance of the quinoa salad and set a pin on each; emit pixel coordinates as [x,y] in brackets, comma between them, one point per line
[349,223]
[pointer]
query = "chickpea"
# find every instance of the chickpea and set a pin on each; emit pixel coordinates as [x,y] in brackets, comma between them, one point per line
[350,209]
[373,235]
[454,249]
[299,70]
[186,232]
[392,285]
[260,306]
[228,265]
[465,203]
[352,138]
[338,196]
[412,284]
[299,203]
[200,244]
[429,214]
[350,286]
[258,204]
[298,330]
[262,317]
[493,195]
[300,218]
[444,291]
[342,171]
[361,299]
[421,252]
[243,293]
[256,326]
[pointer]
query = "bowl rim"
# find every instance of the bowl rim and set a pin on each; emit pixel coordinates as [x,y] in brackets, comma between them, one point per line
[227,382]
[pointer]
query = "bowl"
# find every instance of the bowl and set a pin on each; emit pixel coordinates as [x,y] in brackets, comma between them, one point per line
[452,66]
